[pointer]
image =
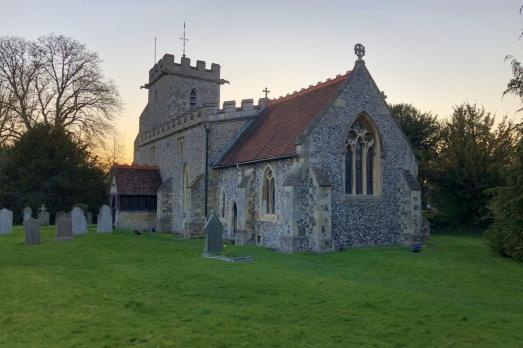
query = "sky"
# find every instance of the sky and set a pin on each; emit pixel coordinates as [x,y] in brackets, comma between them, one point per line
[434,54]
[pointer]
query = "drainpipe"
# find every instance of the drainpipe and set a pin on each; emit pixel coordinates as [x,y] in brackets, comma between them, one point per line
[206,173]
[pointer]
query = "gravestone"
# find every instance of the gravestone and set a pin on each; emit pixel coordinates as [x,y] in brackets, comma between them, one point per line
[43,216]
[104,220]
[32,231]
[79,224]
[60,214]
[64,228]
[82,206]
[89,217]
[28,213]
[213,230]
[6,221]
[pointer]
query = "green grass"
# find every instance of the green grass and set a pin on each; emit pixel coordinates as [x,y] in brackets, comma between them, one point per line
[153,290]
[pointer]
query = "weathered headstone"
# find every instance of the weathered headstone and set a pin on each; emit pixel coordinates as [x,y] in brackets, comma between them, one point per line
[43,216]
[82,206]
[60,214]
[213,230]
[89,217]
[64,228]
[32,231]
[6,221]
[79,224]
[28,213]
[104,220]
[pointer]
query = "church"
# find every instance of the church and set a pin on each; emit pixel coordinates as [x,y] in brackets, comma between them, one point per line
[320,169]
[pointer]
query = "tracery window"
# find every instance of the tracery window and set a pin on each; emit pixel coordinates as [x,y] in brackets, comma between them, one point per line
[193,98]
[269,191]
[360,159]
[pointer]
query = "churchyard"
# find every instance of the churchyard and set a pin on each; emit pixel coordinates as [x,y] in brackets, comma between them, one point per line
[155,290]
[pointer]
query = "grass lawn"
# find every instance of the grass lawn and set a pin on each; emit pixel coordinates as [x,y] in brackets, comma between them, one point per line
[153,290]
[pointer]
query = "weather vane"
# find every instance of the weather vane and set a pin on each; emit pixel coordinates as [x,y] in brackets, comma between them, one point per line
[266,91]
[184,39]
[359,50]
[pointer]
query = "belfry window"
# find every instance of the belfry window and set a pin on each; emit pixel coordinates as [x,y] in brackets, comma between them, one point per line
[193,98]
[269,192]
[361,162]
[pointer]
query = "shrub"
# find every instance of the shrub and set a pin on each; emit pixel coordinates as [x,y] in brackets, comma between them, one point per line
[505,235]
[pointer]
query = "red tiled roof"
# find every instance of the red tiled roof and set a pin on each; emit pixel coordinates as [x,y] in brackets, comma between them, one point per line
[136,179]
[274,132]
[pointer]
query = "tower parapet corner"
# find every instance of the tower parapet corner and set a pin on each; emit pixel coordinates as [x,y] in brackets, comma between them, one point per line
[168,59]
[215,68]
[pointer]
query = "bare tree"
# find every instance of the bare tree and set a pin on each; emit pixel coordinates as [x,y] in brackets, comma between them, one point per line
[56,80]
[111,150]
[19,68]
[9,127]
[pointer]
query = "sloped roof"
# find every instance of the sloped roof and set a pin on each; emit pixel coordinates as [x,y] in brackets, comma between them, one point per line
[274,132]
[136,179]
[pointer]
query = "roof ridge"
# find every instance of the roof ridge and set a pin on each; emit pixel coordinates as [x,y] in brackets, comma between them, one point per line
[136,166]
[320,84]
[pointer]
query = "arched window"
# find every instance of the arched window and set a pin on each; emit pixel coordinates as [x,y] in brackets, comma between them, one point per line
[186,190]
[269,191]
[193,98]
[234,218]
[361,162]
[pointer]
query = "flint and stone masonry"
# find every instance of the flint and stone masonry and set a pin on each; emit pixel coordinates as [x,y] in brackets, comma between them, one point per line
[320,169]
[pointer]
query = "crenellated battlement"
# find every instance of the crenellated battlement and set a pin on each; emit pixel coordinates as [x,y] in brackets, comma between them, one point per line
[207,113]
[167,65]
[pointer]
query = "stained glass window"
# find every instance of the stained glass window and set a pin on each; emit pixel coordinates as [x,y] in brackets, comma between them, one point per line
[269,191]
[348,170]
[360,159]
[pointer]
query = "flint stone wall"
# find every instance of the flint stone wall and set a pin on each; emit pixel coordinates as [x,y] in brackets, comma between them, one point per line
[259,228]
[362,220]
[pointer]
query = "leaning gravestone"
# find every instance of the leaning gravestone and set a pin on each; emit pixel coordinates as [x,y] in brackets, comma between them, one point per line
[6,221]
[79,225]
[28,213]
[213,230]
[64,228]
[32,231]
[43,216]
[104,220]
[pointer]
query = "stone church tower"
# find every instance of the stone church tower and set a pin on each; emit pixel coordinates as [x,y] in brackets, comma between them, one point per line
[320,169]
[176,88]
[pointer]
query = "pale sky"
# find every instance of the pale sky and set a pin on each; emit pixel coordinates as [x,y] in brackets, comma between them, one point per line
[434,54]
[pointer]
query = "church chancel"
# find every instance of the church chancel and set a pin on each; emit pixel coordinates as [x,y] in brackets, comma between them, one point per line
[320,169]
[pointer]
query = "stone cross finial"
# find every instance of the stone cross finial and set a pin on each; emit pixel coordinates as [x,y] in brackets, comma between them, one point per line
[42,209]
[359,50]
[266,91]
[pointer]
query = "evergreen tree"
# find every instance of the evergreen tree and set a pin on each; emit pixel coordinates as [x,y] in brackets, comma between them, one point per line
[472,158]
[505,235]
[48,166]
[423,131]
